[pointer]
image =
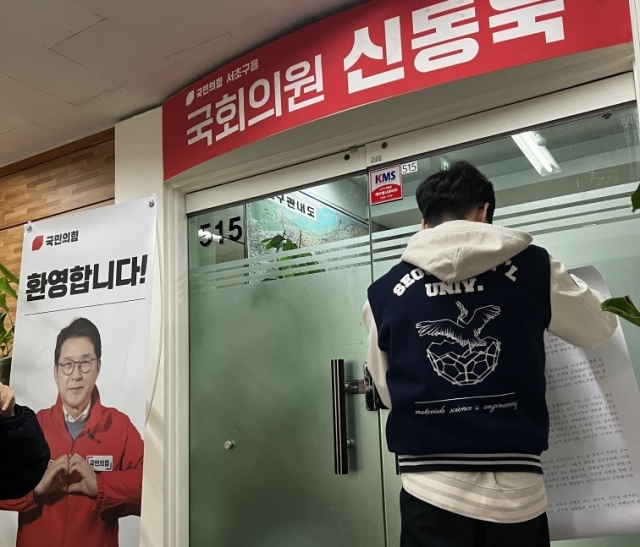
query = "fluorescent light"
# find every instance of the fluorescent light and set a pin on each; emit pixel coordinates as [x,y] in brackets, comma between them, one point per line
[533,147]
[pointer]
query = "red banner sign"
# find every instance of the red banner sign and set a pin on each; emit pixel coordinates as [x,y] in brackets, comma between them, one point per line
[377,50]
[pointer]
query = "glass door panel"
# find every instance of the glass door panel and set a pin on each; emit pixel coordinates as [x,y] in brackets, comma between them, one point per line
[569,185]
[276,291]
[271,304]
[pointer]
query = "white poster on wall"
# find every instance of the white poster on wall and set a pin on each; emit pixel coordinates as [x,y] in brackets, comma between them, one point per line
[592,467]
[80,361]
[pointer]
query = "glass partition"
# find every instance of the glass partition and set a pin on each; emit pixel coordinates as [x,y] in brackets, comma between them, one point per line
[271,304]
[276,290]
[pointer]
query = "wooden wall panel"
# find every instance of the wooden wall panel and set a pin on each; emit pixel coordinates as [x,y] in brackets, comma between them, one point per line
[79,179]
[10,253]
[11,248]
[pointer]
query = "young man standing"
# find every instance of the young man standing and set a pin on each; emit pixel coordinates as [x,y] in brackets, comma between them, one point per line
[456,350]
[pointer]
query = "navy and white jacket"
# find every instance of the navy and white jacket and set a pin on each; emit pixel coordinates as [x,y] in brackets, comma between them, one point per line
[456,346]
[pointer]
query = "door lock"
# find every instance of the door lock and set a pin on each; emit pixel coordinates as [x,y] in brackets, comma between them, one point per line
[367,388]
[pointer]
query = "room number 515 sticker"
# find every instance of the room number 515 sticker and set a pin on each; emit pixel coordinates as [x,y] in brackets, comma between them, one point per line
[234,231]
[411,167]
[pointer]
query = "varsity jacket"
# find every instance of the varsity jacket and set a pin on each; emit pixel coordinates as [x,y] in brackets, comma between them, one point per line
[24,454]
[456,346]
[112,445]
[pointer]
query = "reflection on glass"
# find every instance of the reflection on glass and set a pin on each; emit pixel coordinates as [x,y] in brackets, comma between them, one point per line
[534,147]
[286,235]
[599,153]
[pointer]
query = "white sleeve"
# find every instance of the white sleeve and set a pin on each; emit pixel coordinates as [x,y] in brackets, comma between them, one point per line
[576,315]
[377,360]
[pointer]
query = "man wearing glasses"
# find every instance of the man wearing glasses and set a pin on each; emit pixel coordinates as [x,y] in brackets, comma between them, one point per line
[95,476]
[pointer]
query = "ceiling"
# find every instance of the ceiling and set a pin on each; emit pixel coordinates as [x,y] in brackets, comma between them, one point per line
[72,68]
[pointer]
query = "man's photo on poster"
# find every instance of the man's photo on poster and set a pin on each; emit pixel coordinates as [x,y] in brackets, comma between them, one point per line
[95,474]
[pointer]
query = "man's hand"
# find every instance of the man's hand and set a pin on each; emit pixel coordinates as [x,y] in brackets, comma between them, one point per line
[82,478]
[7,401]
[54,479]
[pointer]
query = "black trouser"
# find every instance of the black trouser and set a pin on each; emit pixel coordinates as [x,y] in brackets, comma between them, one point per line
[424,525]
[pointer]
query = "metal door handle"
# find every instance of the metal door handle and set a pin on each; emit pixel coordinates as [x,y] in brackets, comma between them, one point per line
[340,389]
[340,456]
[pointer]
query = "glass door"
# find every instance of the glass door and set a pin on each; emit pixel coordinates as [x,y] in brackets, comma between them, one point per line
[575,202]
[276,293]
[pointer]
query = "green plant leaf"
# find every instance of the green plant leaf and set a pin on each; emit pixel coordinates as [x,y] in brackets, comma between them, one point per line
[7,337]
[10,276]
[624,307]
[3,302]
[275,242]
[635,199]
[5,287]
[289,245]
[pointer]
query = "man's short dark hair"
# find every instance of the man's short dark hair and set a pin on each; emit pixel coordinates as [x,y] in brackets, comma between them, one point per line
[80,327]
[451,194]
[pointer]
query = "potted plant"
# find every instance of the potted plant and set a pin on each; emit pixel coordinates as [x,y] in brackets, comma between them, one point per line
[622,305]
[282,242]
[8,288]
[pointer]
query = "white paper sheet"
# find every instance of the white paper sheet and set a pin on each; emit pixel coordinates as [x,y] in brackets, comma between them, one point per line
[592,467]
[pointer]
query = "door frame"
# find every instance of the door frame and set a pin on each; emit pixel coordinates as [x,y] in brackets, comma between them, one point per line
[183,198]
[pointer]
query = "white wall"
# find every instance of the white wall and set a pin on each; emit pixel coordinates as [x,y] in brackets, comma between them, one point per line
[138,174]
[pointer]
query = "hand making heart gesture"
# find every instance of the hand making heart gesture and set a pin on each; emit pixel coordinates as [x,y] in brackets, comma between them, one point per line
[68,475]
[54,480]
[82,478]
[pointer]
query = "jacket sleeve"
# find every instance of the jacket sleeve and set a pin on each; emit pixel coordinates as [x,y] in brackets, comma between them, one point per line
[576,315]
[21,505]
[120,492]
[24,453]
[377,360]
